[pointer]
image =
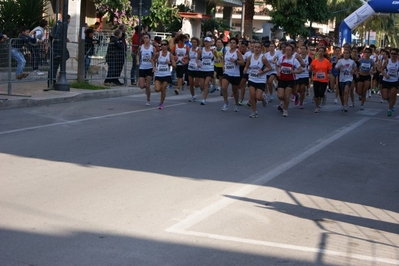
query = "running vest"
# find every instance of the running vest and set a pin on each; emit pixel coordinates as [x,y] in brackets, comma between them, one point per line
[192,63]
[231,68]
[219,53]
[305,73]
[270,58]
[180,53]
[146,57]
[287,66]
[253,70]
[162,68]
[392,71]
[365,65]
[207,61]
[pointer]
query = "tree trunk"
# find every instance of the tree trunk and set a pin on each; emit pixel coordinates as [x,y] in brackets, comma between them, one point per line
[249,17]
[81,47]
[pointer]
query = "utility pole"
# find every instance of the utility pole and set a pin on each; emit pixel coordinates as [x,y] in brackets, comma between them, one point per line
[62,83]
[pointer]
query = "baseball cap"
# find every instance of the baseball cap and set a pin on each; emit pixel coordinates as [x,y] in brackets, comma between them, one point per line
[207,39]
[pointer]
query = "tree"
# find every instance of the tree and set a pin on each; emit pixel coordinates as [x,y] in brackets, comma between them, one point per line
[117,12]
[249,17]
[292,15]
[164,16]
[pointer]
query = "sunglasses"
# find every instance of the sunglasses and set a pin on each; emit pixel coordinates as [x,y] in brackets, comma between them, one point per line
[394,54]
[163,44]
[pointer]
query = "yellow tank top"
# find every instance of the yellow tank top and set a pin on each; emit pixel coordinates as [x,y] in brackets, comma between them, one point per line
[218,62]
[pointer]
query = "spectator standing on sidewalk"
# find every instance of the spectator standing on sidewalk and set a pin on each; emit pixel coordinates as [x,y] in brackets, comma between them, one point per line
[39,33]
[121,57]
[135,45]
[55,38]
[115,51]
[89,48]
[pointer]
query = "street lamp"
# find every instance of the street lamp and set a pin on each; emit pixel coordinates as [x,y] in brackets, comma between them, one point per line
[62,83]
[242,17]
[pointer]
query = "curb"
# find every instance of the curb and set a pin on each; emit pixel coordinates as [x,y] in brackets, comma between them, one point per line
[74,96]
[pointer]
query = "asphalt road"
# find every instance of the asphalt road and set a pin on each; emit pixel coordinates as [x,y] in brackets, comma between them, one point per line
[113,182]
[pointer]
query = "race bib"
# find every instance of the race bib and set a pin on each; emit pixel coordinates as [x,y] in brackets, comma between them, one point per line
[286,70]
[364,67]
[163,68]
[320,75]
[254,73]
[230,65]
[192,66]
[147,58]
[206,62]
[393,72]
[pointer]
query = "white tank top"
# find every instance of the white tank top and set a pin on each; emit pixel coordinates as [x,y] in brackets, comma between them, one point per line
[392,70]
[192,64]
[230,67]
[253,70]
[207,61]
[270,58]
[180,53]
[305,73]
[146,57]
[162,68]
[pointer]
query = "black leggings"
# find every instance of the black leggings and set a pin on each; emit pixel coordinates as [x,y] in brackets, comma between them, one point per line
[319,88]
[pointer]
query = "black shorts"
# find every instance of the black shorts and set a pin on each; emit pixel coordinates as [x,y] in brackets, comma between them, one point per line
[235,81]
[194,74]
[257,86]
[376,76]
[319,88]
[389,85]
[219,72]
[205,74]
[268,76]
[342,86]
[355,79]
[364,78]
[286,84]
[167,79]
[302,81]
[180,70]
[143,73]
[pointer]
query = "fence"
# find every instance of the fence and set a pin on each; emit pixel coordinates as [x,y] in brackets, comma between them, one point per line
[28,63]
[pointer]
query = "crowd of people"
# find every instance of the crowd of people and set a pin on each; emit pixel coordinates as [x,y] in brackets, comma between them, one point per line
[291,69]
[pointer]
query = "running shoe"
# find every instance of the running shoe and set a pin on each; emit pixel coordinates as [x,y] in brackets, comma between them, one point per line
[361,107]
[301,106]
[382,101]
[169,87]
[240,103]
[271,99]
[248,104]
[193,99]
[254,115]
[360,97]
[389,112]
[264,101]
[316,110]
[285,113]
[236,108]
[225,107]
[212,90]
[345,109]
[393,109]
[203,102]
[307,92]
[280,108]
[297,99]
[335,101]
[329,90]
[160,106]
[342,108]
[147,103]
[352,105]
[176,91]
[293,99]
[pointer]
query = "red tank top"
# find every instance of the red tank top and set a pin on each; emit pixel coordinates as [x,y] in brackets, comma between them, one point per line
[286,69]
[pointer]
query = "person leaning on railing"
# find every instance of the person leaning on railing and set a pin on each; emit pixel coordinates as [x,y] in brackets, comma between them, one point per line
[115,52]
[16,50]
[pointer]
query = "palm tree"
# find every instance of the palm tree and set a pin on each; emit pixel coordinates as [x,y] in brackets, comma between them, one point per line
[249,17]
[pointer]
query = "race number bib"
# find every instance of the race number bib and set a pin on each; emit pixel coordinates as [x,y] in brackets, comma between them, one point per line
[163,68]
[320,75]
[393,72]
[192,66]
[230,65]
[364,67]
[206,62]
[286,70]
[254,73]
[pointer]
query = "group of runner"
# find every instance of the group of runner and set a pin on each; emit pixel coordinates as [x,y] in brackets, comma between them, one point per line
[289,68]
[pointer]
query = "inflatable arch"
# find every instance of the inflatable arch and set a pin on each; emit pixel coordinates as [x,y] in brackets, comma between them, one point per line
[362,14]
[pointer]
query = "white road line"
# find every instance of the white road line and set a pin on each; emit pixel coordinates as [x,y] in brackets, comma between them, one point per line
[293,247]
[183,226]
[253,183]
[85,119]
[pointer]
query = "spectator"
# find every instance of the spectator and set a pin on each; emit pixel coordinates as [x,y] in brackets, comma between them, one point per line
[42,45]
[16,51]
[95,26]
[121,57]
[89,48]
[115,51]
[135,45]
[55,38]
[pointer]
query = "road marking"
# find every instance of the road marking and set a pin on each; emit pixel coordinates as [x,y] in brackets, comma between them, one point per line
[85,119]
[292,247]
[252,184]
[369,111]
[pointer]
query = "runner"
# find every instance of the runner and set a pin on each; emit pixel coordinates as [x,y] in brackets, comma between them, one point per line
[205,62]
[271,76]
[218,63]
[257,66]
[287,67]
[334,73]
[303,78]
[193,70]
[355,57]
[180,50]
[383,58]
[366,70]
[243,47]
[321,68]
[347,69]
[231,73]
[390,82]
[163,75]
[145,61]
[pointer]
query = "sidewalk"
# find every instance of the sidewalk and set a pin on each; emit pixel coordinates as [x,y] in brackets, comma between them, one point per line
[27,94]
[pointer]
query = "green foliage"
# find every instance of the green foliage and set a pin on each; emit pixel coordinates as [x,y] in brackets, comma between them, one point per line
[164,16]
[214,24]
[87,86]
[17,13]
[116,12]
